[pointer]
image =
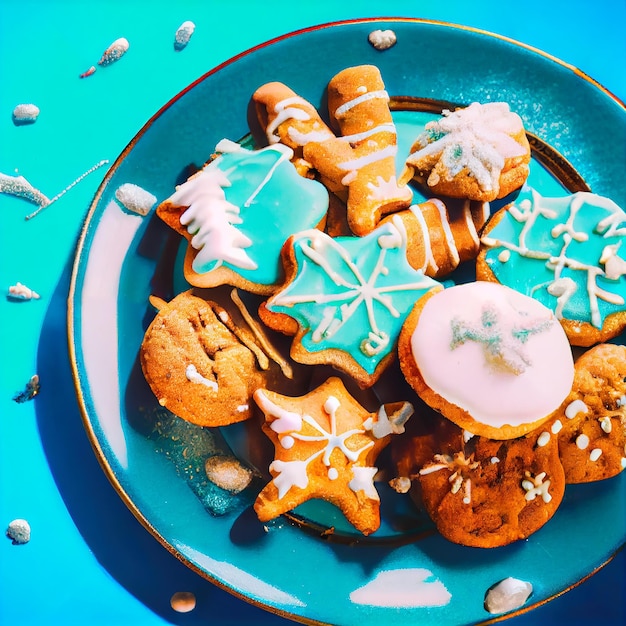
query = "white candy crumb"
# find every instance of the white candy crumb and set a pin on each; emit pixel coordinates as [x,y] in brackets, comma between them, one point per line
[183,35]
[25,114]
[227,473]
[402,484]
[135,199]
[114,52]
[382,39]
[183,601]
[508,594]
[22,292]
[19,531]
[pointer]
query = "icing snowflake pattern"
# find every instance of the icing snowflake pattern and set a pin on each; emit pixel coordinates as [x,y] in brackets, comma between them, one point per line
[566,251]
[345,296]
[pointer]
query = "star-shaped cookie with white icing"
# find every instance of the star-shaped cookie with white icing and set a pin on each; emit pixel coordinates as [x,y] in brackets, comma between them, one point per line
[326,445]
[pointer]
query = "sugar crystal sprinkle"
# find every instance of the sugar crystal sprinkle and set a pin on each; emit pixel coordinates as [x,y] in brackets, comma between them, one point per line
[18,531]
[30,390]
[25,114]
[19,187]
[21,292]
[114,52]
[382,39]
[183,35]
[135,198]
[183,601]
[89,72]
[508,594]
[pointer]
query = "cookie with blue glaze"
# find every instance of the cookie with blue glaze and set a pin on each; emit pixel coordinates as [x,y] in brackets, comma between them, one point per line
[237,212]
[566,252]
[344,299]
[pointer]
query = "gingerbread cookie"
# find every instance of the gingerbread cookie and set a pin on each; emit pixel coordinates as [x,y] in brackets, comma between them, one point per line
[566,253]
[237,212]
[479,152]
[345,299]
[591,424]
[326,445]
[203,367]
[357,162]
[493,361]
[485,493]
[442,235]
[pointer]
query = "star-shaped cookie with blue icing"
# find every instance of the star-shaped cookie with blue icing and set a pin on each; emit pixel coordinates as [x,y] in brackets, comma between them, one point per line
[326,445]
[345,299]
[237,212]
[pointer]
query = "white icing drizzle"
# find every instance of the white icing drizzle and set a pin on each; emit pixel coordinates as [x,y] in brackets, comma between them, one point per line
[368,159]
[194,376]
[389,425]
[574,408]
[362,290]
[294,473]
[445,224]
[460,466]
[528,211]
[469,222]
[429,258]
[286,111]
[388,127]
[536,486]
[340,111]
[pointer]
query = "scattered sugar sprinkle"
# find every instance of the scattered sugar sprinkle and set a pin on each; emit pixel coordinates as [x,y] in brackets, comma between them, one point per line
[19,187]
[135,198]
[183,601]
[508,594]
[18,531]
[114,52]
[605,424]
[382,39]
[183,35]
[89,72]
[556,427]
[30,391]
[21,292]
[574,408]
[582,441]
[595,454]
[25,114]
[494,460]
[543,439]
[227,473]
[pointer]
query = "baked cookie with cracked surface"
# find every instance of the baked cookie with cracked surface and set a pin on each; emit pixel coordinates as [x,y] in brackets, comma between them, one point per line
[591,424]
[203,367]
[495,362]
[326,445]
[479,152]
[480,492]
[566,252]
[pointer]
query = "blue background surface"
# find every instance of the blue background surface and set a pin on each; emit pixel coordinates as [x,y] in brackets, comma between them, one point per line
[89,561]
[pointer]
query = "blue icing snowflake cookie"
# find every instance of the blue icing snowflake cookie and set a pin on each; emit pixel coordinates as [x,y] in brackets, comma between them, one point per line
[566,253]
[345,298]
[237,212]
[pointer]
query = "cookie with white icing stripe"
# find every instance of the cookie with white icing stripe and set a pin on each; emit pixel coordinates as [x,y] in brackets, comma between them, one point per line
[591,424]
[202,366]
[345,299]
[566,252]
[326,445]
[479,152]
[237,212]
[493,361]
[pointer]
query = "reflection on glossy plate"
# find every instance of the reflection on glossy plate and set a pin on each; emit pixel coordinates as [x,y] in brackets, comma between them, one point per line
[282,567]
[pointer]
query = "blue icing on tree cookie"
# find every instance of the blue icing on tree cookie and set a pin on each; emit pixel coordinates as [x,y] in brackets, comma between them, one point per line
[564,252]
[352,294]
[243,206]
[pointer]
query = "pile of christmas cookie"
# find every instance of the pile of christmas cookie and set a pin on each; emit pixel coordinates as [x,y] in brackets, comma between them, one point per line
[316,234]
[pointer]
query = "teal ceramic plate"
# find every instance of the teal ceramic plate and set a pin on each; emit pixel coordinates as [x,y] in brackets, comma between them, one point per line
[405,573]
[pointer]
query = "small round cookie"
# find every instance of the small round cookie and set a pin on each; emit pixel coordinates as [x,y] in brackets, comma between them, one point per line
[479,152]
[493,361]
[200,365]
[591,423]
[326,445]
[566,253]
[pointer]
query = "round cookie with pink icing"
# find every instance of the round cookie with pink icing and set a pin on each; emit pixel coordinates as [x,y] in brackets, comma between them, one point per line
[495,362]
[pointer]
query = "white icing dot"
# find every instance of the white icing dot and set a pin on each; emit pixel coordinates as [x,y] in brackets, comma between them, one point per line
[333,474]
[582,441]
[595,454]
[331,405]
[494,460]
[556,427]
[287,442]
[543,439]
[605,424]
[19,531]
[508,594]
[504,256]
[574,408]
